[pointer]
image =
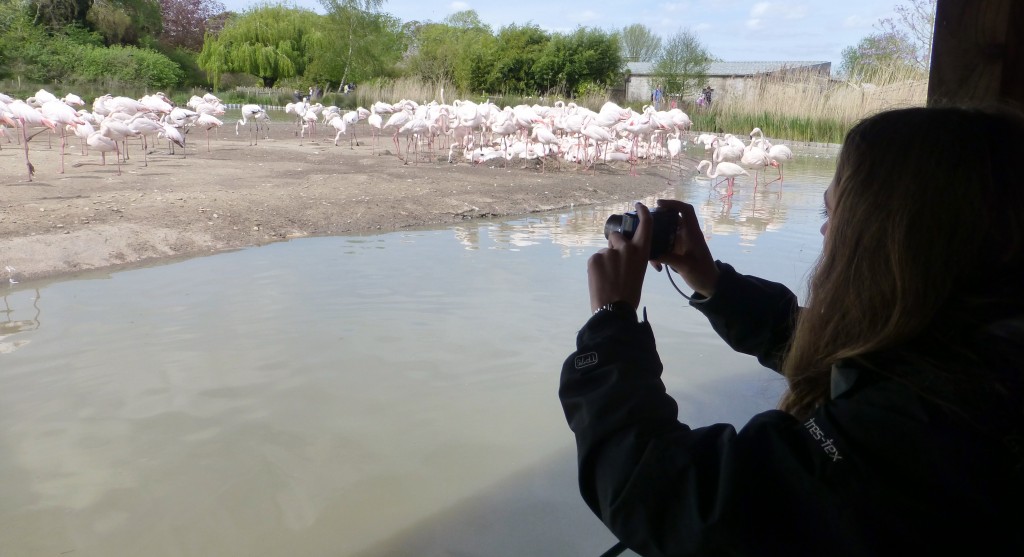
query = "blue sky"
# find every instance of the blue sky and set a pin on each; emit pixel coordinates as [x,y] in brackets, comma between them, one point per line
[733,30]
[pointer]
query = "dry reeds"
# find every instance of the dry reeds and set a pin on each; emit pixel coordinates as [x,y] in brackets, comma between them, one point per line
[809,107]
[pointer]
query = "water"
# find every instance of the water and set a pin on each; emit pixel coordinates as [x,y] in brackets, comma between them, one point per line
[378,395]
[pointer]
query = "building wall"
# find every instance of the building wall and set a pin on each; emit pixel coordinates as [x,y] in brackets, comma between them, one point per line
[640,86]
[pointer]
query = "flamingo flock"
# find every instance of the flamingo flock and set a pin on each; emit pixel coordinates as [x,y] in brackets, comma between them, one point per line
[476,133]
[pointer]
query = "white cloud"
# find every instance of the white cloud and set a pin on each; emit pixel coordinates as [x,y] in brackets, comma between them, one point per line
[755,24]
[760,9]
[459,6]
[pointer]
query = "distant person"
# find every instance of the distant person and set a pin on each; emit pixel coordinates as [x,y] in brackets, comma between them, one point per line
[708,91]
[657,98]
[297,96]
[902,428]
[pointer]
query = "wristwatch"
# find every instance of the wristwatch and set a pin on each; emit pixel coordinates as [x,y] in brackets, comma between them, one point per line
[625,310]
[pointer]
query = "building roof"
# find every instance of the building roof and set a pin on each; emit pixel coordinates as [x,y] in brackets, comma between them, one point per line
[732,68]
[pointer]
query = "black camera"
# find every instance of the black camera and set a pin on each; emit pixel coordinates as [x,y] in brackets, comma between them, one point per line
[663,236]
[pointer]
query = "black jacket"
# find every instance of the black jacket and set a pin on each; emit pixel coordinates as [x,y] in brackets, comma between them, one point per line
[882,469]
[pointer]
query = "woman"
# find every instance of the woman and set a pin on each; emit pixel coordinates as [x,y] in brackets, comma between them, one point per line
[900,430]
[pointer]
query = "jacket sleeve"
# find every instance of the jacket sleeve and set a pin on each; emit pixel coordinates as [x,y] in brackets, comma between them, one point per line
[667,489]
[754,316]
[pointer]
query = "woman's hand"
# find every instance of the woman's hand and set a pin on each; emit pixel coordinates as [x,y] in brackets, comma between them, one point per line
[616,273]
[690,256]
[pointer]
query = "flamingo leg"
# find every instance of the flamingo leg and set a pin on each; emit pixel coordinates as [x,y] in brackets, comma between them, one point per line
[28,164]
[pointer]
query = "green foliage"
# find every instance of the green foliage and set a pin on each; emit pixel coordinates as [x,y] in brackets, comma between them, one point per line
[29,52]
[357,44]
[55,14]
[518,60]
[269,42]
[128,64]
[639,43]
[125,21]
[457,51]
[878,55]
[809,128]
[683,65]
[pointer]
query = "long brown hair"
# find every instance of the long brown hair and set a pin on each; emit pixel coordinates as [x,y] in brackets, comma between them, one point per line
[927,217]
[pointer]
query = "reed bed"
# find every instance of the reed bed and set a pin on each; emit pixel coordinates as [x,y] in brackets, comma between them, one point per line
[808,108]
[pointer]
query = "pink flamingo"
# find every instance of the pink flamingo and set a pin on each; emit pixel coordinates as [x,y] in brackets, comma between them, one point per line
[726,170]
[26,116]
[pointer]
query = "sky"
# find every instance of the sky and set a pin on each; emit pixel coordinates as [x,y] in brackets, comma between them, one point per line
[732,30]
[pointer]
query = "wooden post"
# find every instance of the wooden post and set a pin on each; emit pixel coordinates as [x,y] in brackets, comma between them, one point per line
[978,53]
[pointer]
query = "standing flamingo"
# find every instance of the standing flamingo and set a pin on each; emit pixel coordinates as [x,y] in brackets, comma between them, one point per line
[25,116]
[674,146]
[376,121]
[592,130]
[64,116]
[251,115]
[208,122]
[779,155]
[104,145]
[726,170]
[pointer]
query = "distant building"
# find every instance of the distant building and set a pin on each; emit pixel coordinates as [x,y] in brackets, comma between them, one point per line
[724,77]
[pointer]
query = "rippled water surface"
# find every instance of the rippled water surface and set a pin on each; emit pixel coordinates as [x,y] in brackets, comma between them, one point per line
[373,395]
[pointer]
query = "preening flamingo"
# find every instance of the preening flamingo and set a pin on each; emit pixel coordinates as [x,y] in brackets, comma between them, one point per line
[251,116]
[779,155]
[99,142]
[208,122]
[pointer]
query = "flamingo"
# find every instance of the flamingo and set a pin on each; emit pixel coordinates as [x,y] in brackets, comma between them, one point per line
[779,155]
[338,123]
[104,145]
[26,116]
[599,134]
[674,146]
[350,118]
[208,122]
[173,135]
[144,126]
[544,137]
[726,170]
[754,158]
[398,120]
[64,116]
[251,115]
[375,120]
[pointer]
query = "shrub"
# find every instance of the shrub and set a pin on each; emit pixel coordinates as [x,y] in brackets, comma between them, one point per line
[129,64]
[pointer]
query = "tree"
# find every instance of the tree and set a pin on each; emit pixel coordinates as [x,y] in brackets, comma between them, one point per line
[579,62]
[639,43]
[185,21]
[915,21]
[58,13]
[125,21]
[269,42]
[879,55]
[460,50]
[683,64]
[361,38]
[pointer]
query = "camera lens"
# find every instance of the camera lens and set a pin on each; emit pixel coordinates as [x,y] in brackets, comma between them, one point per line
[613,224]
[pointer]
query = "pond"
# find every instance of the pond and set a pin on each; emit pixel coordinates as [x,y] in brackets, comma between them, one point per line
[381,395]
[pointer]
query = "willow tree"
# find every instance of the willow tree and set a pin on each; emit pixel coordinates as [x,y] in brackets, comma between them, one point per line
[359,42]
[270,42]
